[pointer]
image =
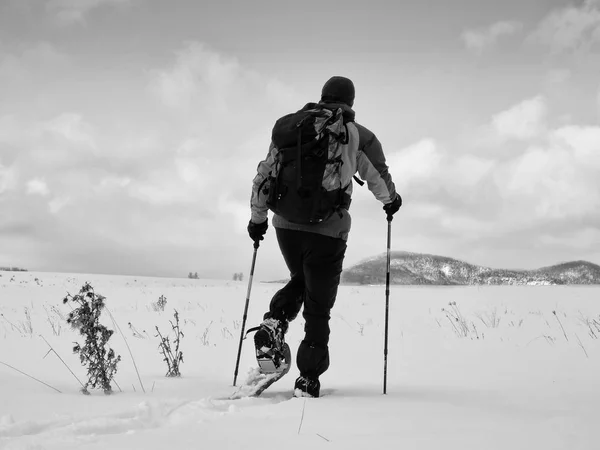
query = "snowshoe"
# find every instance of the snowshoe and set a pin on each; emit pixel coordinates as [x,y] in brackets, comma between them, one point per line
[257,380]
[273,356]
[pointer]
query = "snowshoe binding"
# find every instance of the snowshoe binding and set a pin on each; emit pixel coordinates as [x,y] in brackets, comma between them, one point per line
[273,356]
[270,346]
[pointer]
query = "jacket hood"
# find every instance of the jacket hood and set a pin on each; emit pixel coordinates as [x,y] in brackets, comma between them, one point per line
[347,111]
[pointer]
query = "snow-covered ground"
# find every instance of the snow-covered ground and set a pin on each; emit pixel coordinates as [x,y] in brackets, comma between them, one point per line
[524,372]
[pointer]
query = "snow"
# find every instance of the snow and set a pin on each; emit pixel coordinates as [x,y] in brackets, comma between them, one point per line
[511,378]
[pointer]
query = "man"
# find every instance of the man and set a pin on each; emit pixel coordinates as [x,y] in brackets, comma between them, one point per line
[314,252]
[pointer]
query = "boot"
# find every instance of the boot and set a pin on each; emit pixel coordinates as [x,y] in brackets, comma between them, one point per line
[307,387]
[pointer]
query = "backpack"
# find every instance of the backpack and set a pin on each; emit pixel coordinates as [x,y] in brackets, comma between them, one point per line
[305,186]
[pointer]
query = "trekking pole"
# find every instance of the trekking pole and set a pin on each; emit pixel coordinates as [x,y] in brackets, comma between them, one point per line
[237,363]
[387,303]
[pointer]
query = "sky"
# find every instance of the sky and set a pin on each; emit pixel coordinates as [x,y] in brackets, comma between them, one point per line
[130,130]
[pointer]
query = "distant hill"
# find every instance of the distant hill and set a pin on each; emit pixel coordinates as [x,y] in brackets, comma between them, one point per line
[422,269]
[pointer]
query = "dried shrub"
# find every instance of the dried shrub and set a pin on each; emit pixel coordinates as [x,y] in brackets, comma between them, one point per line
[95,354]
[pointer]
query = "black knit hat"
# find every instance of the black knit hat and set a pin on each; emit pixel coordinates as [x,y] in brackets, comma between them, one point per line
[338,89]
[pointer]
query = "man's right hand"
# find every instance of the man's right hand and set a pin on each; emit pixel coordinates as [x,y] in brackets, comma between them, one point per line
[393,207]
[257,230]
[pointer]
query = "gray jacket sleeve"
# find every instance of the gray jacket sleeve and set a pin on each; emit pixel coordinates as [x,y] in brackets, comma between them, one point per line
[372,167]
[258,199]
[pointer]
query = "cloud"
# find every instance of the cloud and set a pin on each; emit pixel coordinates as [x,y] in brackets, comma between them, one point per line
[468,171]
[557,182]
[54,152]
[38,186]
[72,128]
[112,184]
[8,179]
[553,178]
[224,112]
[568,29]
[10,129]
[199,75]
[69,12]
[21,64]
[23,6]
[531,182]
[522,121]
[557,76]
[480,39]
[64,141]
[165,183]
[546,177]
[206,81]
[420,161]
[56,204]
[582,141]
[581,240]
[429,173]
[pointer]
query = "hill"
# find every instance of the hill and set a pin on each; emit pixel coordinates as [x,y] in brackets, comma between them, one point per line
[423,269]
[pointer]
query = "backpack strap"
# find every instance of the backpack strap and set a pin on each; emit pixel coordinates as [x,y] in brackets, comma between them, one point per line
[358,180]
[260,186]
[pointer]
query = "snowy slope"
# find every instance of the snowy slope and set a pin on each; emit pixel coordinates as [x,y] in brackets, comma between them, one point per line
[509,374]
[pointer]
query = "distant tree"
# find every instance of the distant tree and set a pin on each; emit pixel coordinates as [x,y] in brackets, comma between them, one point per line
[196,276]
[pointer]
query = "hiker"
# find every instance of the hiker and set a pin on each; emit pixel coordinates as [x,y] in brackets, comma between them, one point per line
[314,250]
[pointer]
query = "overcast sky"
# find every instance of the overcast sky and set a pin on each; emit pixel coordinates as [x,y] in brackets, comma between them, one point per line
[130,130]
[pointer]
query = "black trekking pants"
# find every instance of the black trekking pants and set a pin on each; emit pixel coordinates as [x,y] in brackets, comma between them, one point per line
[315,264]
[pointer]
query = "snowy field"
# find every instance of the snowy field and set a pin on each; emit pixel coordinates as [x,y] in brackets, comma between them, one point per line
[519,369]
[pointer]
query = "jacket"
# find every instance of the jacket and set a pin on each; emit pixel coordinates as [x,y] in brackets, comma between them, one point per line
[362,154]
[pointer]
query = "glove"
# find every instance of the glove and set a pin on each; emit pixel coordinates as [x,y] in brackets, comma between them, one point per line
[257,230]
[393,207]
